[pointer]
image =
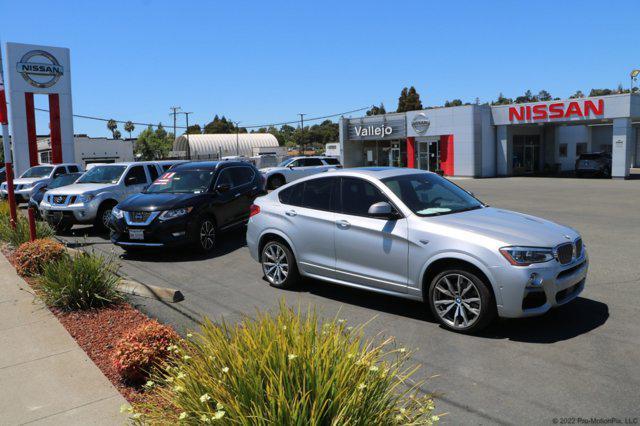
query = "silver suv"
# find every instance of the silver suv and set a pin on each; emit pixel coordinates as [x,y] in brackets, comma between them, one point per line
[91,198]
[414,234]
[35,178]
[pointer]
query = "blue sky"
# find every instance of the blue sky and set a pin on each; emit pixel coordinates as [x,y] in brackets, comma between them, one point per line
[262,62]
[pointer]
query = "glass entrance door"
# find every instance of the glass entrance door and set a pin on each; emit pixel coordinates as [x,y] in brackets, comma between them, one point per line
[429,155]
[394,157]
[526,154]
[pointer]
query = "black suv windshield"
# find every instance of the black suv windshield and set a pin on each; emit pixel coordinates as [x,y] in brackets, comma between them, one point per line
[37,172]
[182,181]
[427,194]
[103,174]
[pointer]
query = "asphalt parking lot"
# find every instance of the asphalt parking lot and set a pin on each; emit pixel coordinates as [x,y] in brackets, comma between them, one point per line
[581,360]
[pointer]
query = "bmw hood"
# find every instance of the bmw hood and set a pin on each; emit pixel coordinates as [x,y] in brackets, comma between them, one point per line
[82,188]
[507,227]
[156,202]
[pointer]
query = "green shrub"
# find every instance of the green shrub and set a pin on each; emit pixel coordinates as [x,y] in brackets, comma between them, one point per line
[286,369]
[142,348]
[31,257]
[83,281]
[20,234]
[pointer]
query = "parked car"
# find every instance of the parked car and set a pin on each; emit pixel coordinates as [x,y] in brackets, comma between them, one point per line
[91,198]
[414,234]
[594,164]
[41,188]
[189,205]
[42,174]
[297,167]
[167,164]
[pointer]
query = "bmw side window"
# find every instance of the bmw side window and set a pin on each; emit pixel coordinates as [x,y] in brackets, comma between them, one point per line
[135,176]
[311,162]
[358,195]
[292,195]
[317,193]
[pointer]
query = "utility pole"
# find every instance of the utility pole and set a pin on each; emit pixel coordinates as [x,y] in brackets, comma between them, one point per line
[301,132]
[174,112]
[186,114]
[237,137]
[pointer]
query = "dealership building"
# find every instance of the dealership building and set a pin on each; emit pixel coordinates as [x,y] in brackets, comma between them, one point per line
[502,140]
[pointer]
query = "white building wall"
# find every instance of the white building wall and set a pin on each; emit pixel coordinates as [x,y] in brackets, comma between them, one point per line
[571,136]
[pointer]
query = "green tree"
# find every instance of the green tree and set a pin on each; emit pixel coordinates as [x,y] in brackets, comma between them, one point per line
[194,129]
[117,134]
[112,125]
[154,144]
[129,127]
[543,95]
[600,92]
[222,125]
[455,102]
[527,97]
[377,110]
[502,100]
[409,100]
[577,95]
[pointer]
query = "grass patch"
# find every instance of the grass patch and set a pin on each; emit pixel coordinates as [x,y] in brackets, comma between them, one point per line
[286,369]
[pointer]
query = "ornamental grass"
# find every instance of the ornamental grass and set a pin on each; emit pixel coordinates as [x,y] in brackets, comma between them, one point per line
[286,369]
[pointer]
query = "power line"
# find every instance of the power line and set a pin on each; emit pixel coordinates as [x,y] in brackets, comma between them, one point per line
[253,126]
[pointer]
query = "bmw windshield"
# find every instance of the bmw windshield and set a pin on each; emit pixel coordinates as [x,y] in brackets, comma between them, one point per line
[37,172]
[427,194]
[103,174]
[182,181]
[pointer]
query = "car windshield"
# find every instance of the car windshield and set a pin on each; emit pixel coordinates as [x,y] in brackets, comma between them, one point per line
[182,181]
[427,194]
[103,174]
[64,180]
[286,162]
[37,172]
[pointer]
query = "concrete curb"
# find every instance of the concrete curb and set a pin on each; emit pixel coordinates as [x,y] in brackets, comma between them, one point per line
[138,289]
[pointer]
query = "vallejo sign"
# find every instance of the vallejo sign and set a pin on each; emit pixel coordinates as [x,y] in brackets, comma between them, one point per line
[40,68]
[377,128]
[381,130]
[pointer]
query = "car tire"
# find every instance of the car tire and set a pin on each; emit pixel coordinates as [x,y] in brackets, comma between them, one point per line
[279,265]
[103,217]
[275,182]
[205,235]
[461,301]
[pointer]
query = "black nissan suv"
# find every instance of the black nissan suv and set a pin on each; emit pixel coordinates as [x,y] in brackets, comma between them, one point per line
[188,205]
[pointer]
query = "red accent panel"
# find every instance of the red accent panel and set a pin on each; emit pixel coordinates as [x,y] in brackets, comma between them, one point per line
[446,154]
[4,117]
[31,129]
[411,152]
[54,123]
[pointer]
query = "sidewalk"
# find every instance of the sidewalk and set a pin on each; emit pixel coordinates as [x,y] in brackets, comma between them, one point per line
[45,377]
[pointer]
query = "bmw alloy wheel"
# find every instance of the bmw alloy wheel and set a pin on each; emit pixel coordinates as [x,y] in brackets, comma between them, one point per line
[275,264]
[207,235]
[457,301]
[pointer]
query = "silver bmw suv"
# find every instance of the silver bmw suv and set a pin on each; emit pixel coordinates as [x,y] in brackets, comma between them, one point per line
[414,234]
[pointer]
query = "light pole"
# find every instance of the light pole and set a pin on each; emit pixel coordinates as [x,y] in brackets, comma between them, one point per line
[174,112]
[186,114]
[237,137]
[301,132]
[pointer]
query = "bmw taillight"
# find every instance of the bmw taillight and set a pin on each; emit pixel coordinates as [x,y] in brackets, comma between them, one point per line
[254,210]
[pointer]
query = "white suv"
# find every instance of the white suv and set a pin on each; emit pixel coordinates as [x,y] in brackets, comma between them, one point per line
[296,168]
[92,197]
[35,177]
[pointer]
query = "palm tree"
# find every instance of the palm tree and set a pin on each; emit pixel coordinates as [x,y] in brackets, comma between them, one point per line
[129,127]
[117,134]
[112,125]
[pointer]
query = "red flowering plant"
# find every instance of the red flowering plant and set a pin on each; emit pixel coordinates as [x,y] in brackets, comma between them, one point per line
[144,348]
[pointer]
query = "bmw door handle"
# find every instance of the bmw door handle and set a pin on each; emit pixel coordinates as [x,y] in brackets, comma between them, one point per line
[343,224]
[290,213]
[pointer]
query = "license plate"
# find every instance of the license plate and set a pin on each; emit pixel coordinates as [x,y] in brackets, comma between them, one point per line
[136,234]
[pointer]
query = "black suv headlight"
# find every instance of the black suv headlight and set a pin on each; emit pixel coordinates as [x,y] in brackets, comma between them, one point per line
[174,213]
[525,256]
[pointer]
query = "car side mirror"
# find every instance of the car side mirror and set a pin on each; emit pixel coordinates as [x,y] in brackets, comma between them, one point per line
[223,187]
[290,166]
[382,210]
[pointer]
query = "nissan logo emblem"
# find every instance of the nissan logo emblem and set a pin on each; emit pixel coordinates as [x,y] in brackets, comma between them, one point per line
[420,123]
[40,69]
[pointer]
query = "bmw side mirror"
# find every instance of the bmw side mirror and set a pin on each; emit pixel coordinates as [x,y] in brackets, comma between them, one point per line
[223,187]
[382,210]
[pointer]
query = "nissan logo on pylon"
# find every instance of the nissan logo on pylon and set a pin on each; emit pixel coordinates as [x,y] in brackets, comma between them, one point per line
[40,69]
[420,123]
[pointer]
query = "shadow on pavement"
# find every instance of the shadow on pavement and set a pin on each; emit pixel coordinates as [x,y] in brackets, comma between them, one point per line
[565,322]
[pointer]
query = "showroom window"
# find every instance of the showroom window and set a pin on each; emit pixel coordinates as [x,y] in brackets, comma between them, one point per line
[563,150]
[581,148]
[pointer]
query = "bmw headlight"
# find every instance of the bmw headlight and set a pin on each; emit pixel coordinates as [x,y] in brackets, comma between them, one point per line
[86,198]
[524,256]
[117,213]
[172,214]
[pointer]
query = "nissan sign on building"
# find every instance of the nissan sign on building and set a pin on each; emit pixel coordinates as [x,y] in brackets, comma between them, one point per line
[501,140]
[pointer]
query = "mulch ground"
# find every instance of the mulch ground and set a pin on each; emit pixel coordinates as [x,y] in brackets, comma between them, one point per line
[97,331]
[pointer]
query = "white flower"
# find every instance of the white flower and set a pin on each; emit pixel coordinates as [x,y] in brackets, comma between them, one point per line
[189,335]
[126,408]
[218,415]
[219,406]
[398,417]
[181,375]
[169,380]
[402,350]
[178,388]
[136,416]
[182,416]
[149,384]
[204,398]
[340,321]
[205,419]
[362,386]
[186,358]
[373,368]
[292,357]
[225,369]
[403,410]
